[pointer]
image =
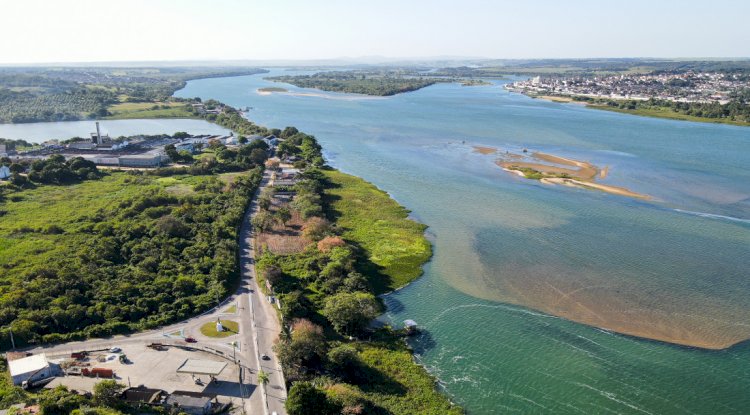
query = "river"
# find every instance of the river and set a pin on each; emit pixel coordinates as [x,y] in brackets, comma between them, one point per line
[545,299]
[518,264]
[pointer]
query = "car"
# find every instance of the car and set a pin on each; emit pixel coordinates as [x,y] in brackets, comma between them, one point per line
[265,357]
[115,350]
[191,340]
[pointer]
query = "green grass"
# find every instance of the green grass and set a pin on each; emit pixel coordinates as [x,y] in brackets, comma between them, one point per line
[67,207]
[130,110]
[667,113]
[231,310]
[230,328]
[378,224]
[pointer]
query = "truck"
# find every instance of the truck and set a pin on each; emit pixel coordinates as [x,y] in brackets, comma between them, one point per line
[98,372]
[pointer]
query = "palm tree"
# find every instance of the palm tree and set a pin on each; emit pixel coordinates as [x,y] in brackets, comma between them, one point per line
[263,377]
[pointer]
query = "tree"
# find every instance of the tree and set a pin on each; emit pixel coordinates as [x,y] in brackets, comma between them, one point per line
[316,228]
[180,135]
[304,350]
[329,242]
[272,274]
[263,377]
[283,215]
[304,398]
[172,152]
[258,156]
[350,313]
[107,392]
[242,139]
[343,360]
[262,221]
[17,168]
[288,132]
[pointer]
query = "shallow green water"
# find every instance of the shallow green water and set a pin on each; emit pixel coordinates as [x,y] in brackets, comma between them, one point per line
[506,247]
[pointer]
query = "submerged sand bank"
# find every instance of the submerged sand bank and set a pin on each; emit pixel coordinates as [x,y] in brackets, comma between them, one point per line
[606,302]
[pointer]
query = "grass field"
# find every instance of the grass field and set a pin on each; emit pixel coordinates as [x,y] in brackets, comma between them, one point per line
[24,242]
[378,224]
[230,328]
[127,110]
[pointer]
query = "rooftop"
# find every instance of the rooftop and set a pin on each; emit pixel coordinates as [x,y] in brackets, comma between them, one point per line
[202,367]
[27,364]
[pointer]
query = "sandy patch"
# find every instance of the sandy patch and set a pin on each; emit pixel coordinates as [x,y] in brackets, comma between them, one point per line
[485,150]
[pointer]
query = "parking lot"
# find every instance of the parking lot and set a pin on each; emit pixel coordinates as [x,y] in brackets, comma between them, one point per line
[158,369]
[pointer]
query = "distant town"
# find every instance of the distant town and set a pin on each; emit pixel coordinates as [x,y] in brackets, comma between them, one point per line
[697,87]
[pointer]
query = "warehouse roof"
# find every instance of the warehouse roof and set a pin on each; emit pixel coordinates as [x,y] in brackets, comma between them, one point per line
[27,364]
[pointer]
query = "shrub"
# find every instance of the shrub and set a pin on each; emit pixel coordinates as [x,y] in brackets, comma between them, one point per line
[329,242]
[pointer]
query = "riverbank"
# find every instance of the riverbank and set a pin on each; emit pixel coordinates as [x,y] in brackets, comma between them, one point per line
[653,112]
[364,245]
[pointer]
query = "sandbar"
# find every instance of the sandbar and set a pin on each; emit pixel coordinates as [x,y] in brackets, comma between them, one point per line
[485,150]
[597,186]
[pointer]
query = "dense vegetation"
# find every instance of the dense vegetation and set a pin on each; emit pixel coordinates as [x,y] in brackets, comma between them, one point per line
[735,112]
[62,94]
[381,83]
[361,244]
[127,251]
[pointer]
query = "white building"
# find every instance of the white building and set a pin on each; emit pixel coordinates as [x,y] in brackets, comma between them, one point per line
[32,368]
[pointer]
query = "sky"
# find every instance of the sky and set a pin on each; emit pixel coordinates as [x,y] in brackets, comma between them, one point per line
[36,31]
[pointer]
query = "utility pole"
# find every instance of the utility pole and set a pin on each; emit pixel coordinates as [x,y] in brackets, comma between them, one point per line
[12,342]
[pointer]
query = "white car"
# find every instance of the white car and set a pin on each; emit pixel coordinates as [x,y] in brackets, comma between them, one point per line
[115,350]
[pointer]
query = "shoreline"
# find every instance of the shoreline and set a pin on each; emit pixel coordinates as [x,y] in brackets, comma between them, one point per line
[664,114]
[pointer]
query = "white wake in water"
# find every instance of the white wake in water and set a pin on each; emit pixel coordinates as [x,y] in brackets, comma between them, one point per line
[713,216]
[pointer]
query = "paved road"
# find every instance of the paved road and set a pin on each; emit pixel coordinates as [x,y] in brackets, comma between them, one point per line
[264,325]
[258,322]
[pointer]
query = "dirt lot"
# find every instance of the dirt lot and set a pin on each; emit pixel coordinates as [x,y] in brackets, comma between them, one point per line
[158,369]
[284,239]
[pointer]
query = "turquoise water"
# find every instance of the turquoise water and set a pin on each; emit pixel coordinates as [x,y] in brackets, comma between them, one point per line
[519,265]
[40,132]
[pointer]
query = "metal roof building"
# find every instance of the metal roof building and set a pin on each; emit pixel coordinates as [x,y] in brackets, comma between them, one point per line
[202,367]
[30,368]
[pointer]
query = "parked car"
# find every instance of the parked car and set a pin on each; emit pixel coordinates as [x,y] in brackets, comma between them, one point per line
[115,350]
[191,340]
[265,357]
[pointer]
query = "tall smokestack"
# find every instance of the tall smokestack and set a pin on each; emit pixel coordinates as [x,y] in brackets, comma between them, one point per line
[98,134]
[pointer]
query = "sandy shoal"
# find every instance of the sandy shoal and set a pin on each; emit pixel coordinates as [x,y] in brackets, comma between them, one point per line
[485,150]
[615,190]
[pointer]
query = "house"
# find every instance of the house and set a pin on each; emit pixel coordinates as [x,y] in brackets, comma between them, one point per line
[29,369]
[271,140]
[192,403]
[142,395]
[4,172]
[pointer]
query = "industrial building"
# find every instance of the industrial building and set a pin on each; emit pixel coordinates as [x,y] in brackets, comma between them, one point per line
[141,160]
[29,369]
